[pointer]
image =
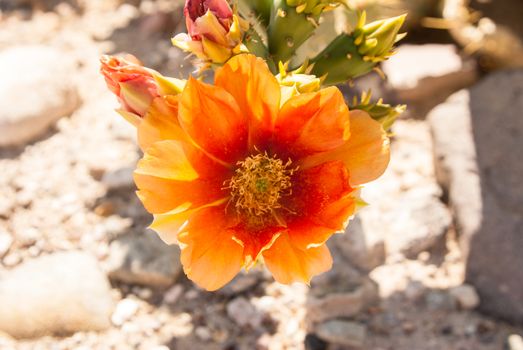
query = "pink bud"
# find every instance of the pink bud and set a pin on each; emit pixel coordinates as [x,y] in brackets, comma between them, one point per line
[133,84]
[195,9]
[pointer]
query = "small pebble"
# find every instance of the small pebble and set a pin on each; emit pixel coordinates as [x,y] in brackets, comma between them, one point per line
[172,295]
[125,309]
[515,342]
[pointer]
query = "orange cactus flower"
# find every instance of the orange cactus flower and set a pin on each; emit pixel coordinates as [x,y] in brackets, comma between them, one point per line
[232,176]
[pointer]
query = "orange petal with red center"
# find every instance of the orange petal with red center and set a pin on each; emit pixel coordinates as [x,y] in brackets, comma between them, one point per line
[255,241]
[314,231]
[257,92]
[312,122]
[317,188]
[160,122]
[210,256]
[288,263]
[212,118]
[167,180]
[366,154]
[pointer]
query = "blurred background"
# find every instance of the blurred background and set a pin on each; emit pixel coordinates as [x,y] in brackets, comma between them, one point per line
[434,262]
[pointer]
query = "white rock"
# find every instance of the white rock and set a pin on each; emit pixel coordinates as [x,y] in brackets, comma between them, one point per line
[430,72]
[466,296]
[515,342]
[35,91]
[59,293]
[203,333]
[243,313]
[5,243]
[416,224]
[412,63]
[125,309]
[346,333]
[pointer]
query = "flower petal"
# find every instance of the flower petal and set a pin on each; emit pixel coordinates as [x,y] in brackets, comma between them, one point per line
[210,256]
[169,225]
[321,204]
[312,122]
[160,122]
[366,154]
[211,117]
[315,189]
[314,231]
[288,263]
[167,180]
[257,92]
[369,148]
[209,26]
[255,242]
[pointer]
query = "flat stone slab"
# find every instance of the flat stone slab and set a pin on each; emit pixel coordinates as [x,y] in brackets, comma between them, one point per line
[478,138]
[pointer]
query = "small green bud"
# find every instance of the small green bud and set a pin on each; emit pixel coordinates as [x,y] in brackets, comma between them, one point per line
[351,55]
[379,111]
[298,81]
[375,41]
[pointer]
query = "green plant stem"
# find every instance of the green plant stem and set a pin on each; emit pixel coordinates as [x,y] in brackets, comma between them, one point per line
[340,61]
[288,30]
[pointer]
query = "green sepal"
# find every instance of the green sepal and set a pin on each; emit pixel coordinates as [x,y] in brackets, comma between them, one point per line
[379,111]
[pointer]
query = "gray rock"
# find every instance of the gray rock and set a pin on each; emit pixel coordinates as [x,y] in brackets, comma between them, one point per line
[477,133]
[173,294]
[144,259]
[440,300]
[121,179]
[241,283]
[243,313]
[364,248]
[341,304]
[340,332]
[415,290]
[466,296]
[416,224]
[343,291]
[36,90]
[56,294]
[424,75]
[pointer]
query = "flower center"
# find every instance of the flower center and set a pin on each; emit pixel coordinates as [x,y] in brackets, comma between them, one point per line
[259,182]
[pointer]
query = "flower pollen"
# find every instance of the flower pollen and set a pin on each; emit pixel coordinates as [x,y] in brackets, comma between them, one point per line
[259,182]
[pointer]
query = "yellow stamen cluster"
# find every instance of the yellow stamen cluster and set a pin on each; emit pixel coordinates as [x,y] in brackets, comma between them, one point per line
[259,182]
